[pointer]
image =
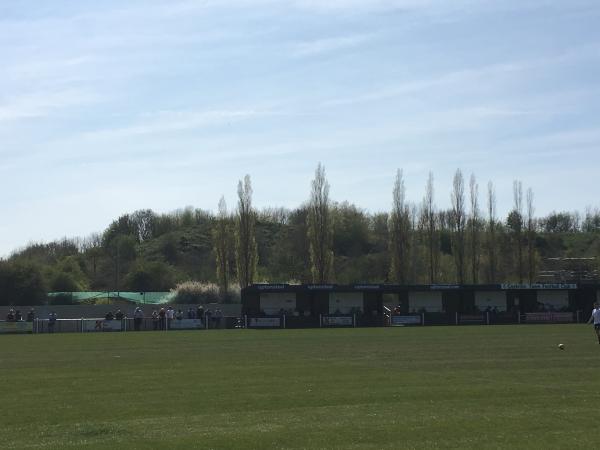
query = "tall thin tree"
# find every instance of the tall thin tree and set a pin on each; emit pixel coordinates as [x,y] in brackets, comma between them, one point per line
[458,219]
[399,225]
[530,236]
[320,228]
[474,228]
[429,219]
[491,237]
[516,223]
[246,249]
[221,247]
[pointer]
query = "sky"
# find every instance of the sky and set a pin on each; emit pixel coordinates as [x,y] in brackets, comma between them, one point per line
[110,107]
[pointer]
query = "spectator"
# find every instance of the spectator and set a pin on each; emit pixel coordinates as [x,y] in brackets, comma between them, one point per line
[179,315]
[119,315]
[10,317]
[51,321]
[109,316]
[155,319]
[162,318]
[191,314]
[200,312]
[170,316]
[31,315]
[208,315]
[138,317]
[219,317]
[18,316]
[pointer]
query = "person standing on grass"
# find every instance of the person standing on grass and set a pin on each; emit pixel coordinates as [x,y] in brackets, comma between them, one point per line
[154,319]
[170,316]
[138,317]
[162,318]
[51,321]
[595,318]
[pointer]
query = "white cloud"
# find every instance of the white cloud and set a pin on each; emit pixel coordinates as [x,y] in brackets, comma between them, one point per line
[41,104]
[174,121]
[326,45]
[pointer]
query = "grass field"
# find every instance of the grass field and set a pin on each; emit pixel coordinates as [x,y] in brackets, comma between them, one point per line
[432,387]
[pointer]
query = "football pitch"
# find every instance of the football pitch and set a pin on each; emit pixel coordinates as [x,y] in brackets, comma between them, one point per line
[430,387]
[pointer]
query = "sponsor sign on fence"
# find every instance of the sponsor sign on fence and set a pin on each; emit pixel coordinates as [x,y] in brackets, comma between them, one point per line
[550,317]
[16,327]
[102,325]
[406,320]
[264,322]
[475,319]
[186,324]
[337,321]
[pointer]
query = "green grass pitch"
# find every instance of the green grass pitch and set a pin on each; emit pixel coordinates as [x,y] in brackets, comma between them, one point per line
[431,387]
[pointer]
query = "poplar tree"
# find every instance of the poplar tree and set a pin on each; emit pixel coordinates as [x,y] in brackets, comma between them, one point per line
[530,235]
[221,247]
[428,218]
[246,250]
[491,235]
[458,219]
[399,226]
[320,228]
[474,228]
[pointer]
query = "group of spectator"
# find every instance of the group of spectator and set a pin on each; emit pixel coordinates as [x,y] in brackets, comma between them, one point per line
[163,317]
[17,316]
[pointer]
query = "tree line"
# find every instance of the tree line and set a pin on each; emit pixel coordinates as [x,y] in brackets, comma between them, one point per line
[321,241]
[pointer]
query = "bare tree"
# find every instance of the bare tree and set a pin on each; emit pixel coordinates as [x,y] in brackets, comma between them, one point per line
[320,228]
[515,222]
[399,225]
[474,228]
[428,217]
[458,219]
[246,249]
[221,247]
[530,235]
[491,240]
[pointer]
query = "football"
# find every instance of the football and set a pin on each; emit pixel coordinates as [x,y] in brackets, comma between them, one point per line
[561,346]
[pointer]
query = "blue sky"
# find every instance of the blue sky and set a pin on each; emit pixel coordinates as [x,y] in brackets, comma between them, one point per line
[108,107]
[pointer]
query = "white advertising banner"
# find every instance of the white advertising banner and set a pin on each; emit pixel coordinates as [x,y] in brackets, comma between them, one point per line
[337,321]
[550,317]
[264,322]
[431,301]
[186,324]
[406,320]
[102,325]
[16,327]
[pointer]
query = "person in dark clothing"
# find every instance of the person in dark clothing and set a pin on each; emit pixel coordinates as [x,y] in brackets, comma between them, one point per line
[51,321]
[109,316]
[10,317]
[155,319]
[18,316]
[31,315]
[138,317]
[119,315]
[162,318]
